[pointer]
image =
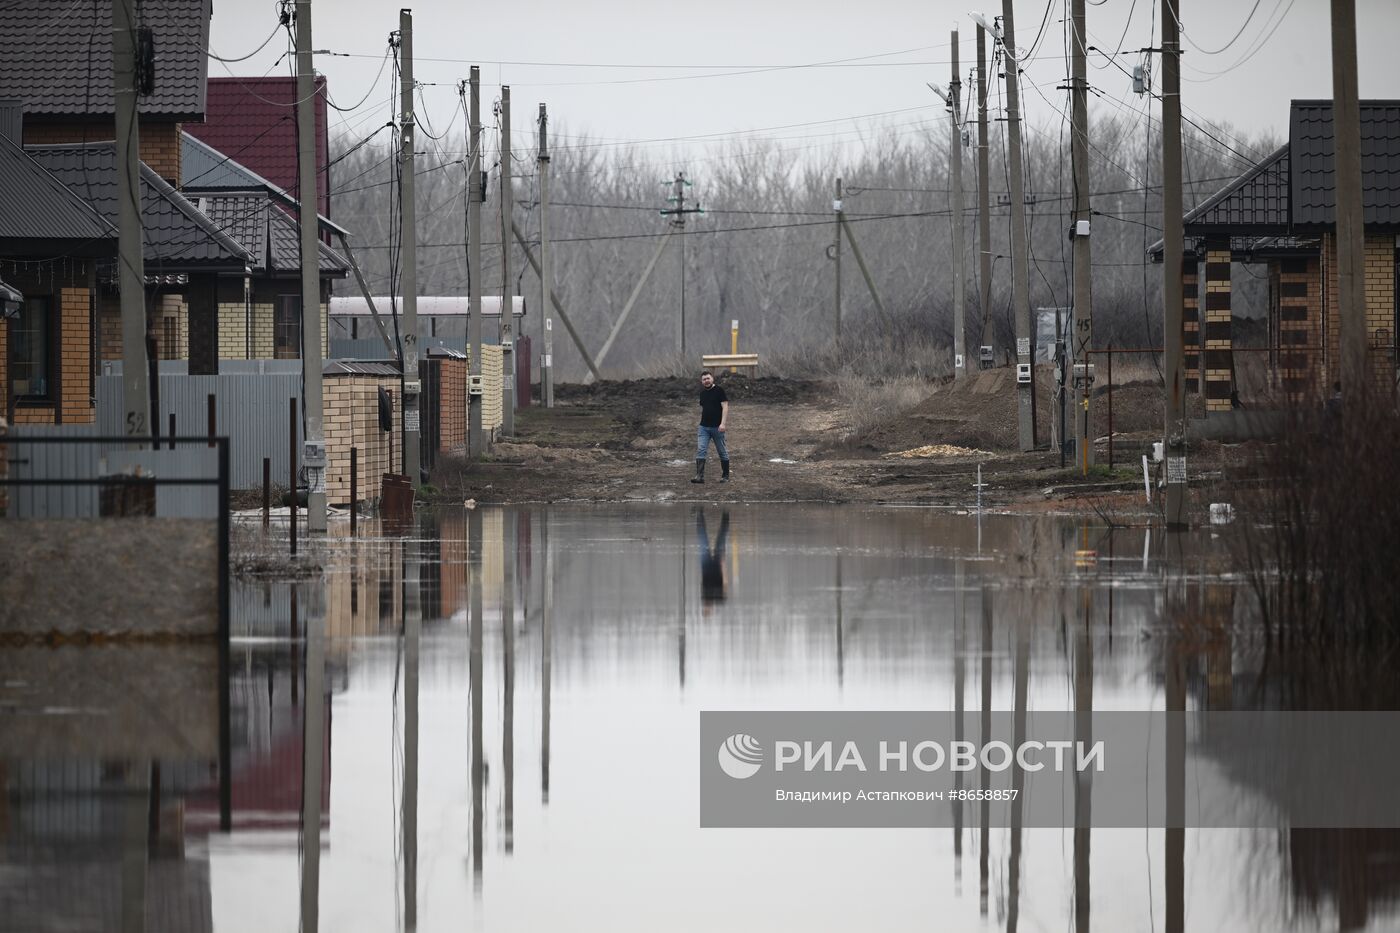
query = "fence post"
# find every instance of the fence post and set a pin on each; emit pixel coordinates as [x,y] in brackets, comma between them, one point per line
[213,424]
[267,490]
[292,472]
[354,487]
[172,430]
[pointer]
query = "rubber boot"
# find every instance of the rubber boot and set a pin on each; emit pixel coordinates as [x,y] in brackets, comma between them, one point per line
[699,476]
[724,477]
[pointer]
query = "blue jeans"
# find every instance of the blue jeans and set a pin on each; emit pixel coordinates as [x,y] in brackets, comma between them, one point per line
[702,443]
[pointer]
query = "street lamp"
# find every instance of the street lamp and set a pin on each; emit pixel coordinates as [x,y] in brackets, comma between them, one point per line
[981,20]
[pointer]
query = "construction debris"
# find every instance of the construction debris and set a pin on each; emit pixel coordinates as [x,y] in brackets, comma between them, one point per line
[937,450]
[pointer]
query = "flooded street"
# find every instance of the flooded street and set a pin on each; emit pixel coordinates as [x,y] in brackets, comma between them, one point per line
[539,771]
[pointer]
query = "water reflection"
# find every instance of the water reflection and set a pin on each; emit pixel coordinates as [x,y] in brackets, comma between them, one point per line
[380,713]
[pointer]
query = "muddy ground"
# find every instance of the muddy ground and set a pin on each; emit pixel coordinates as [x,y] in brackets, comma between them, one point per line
[795,441]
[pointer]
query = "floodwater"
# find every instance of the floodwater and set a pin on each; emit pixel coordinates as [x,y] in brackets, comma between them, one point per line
[539,770]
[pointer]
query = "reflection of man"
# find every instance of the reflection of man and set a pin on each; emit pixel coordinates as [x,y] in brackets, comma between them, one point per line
[711,561]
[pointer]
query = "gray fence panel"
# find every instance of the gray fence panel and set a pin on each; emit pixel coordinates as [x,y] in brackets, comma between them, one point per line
[250,409]
[53,461]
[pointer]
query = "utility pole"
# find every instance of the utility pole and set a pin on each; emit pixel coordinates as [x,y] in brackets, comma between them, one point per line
[131,277]
[1082,337]
[475,195]
[1020,273]
[952,99]
[836,256]
[1175,434]
[1351,237]
[314,455]
[408,217]
[677,215]
[984,216]
[507,322]
[547,319]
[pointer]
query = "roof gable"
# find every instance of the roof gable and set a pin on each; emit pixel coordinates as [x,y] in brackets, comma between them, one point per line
[207,170]
[58,59]
[39,209]
[1313,144]
[1256,202]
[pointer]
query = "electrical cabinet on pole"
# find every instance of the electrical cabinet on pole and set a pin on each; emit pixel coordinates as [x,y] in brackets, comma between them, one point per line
[1082,335]
[546,317]
[1174,439]
[507,323]
[476,193]
[131,270]
[314,452]
[1020,267]
[408,215]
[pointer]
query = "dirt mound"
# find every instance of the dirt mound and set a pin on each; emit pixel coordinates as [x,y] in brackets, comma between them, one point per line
[981,413]
[739,387]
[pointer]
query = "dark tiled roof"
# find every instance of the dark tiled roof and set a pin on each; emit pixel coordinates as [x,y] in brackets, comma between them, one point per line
[244,218]
[58,58]
[1256,202]
[254,121]
[285,248]
[206,169]
[178,238]
[1313,184]
[38,214]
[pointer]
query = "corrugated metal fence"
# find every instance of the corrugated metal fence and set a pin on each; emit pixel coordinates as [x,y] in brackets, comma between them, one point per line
[252,410]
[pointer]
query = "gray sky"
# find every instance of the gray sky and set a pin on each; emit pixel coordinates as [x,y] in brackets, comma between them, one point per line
[685,79]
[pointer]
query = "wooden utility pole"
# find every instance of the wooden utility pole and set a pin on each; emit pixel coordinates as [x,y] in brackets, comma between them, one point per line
[507,322]
[1020,271]
[131,275]
[984,216]
[1351,235]
[475,195]
[1174,439]
[1082,335]
[408,218]
[546,318]
[314,456]
[836,208]
[959,262]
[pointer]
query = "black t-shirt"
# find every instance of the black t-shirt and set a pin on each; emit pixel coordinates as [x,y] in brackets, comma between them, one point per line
[710,412]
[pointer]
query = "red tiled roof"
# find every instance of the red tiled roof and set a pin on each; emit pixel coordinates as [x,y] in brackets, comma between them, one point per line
[253,121]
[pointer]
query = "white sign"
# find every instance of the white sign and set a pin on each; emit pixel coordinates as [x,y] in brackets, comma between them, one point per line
[1176,470]
[549,323]
[316,481]
[549,359]
[411,420]
[1023,346]
[734,324]
[958,361]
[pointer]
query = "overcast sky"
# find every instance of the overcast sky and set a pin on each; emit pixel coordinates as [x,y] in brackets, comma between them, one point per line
[814,75]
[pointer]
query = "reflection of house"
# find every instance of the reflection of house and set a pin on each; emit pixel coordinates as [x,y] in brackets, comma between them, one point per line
[1281,213]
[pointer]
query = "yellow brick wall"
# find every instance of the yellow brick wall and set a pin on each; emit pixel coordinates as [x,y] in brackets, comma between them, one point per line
[492,368]
[351,411]
[263,317]
[233,330]
[1379,289]
[75,336]
[1217,379]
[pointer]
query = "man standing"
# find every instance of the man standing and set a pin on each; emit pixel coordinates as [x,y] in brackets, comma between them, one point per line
[714,419]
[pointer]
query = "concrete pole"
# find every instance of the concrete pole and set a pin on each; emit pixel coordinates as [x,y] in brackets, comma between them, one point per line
[408,215]
[1020,271]
[959,260]
[678,225]
[1172,223]
[507,321]
[1083,335]
[984,216]
[547,360]
[836,207]
[1351,236]
[131,274]
[314,457]
[475,441]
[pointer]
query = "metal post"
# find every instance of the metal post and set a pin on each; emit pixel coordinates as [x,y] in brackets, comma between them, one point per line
[354,489]
[310,276]
[292,473]
[131,270]
[267,490]
[959,288]
[1172,222]
[171,435]
[836,207]
[1020,273]
[225,621]
[1351,237]
[475,442]
[213,419]
[546,318]
[409,245]
[984,216]
[1083,333]
[507,321]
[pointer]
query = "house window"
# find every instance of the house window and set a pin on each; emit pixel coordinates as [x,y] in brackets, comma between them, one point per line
[31,350]
[286,328]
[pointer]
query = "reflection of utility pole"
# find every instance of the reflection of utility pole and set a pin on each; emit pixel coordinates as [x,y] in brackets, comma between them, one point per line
[312,761]
[959,685]
[984,736]
[1083,735]
[1172,225]
[1020,689]
[677,214]
[546,651]
[477,622]
[412,637]
[508,673]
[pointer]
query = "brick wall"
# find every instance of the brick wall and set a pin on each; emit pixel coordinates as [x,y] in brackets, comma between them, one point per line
[1191,322]
[233,331]
[71,334]
[492,368]
[1219,367]
[1298,284]
[160,142]
[452,405]
[1379,289]
[351,407]
[263,318]
[75,348]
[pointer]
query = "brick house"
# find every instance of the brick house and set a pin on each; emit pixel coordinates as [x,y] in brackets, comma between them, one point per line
[1281,214]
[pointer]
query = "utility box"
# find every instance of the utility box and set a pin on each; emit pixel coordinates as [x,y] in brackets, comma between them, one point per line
[986,357]
[1083,374]
[1023,373]
[476,385]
